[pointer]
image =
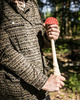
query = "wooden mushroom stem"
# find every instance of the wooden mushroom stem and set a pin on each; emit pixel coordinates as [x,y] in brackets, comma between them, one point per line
[55,62]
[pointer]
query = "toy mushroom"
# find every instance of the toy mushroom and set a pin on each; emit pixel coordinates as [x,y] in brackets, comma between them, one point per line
[49,21]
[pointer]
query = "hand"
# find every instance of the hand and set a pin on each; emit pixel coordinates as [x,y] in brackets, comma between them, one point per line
[52,31]
[54,83]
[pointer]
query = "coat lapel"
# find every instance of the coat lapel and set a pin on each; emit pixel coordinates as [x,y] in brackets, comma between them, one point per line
[26,14]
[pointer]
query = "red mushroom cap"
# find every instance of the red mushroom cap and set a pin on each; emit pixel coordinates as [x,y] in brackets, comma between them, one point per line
[51,20]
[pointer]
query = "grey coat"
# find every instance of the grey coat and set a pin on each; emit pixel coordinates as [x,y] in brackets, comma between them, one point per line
[22,65]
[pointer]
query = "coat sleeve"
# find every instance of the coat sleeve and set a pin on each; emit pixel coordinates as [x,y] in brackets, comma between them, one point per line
[17,63]
[46,43]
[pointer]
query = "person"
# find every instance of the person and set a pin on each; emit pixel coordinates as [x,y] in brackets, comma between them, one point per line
[23,69]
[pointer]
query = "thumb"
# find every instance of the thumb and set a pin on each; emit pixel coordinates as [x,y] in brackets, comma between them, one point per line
[44,24]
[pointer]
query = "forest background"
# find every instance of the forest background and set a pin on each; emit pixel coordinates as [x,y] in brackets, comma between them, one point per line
[67,13]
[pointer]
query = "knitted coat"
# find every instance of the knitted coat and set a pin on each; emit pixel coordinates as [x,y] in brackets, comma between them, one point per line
[22,65]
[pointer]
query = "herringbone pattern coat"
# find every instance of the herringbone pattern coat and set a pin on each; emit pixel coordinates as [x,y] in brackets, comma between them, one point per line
[22,64]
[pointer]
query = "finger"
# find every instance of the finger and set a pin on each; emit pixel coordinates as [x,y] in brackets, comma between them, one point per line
[62,78]
[51,75]
[53,26]
[60,86]
[57,89]
[62,83]
[52,33]
[55,30]
[53,37]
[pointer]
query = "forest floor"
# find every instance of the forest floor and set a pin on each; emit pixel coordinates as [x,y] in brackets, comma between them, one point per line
[69,64]
[64,95]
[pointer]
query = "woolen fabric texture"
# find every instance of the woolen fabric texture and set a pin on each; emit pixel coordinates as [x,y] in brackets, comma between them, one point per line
[22,64]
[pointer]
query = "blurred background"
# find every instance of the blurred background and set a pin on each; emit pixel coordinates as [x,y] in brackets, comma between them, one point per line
[67,13]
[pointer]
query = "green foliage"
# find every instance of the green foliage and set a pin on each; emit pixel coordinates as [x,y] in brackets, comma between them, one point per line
[73,82]
[59,48]
[46,50]
[62,48]
[47,15]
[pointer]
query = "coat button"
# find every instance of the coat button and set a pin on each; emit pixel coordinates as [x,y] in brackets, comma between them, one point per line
[12,22]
